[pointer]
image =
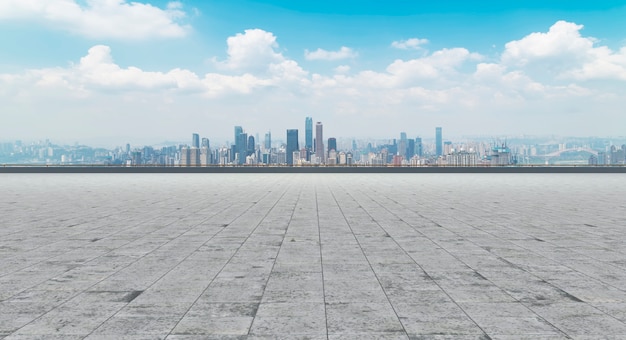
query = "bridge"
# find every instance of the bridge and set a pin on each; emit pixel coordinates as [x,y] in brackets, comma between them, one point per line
[558,153]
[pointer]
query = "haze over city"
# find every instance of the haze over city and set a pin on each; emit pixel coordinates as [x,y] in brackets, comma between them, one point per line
[110,72]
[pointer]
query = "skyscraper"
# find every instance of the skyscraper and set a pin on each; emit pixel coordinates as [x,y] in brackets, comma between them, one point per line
[438,142]
[292,145]
[238,146]
[410,149]
[308,133]
[195,140]
[251,145]
[402,145]
[332,144]
[242,152]
[268,140]
[419,149]
[319,142]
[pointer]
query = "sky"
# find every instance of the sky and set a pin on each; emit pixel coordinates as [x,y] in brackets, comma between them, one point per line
[108,72]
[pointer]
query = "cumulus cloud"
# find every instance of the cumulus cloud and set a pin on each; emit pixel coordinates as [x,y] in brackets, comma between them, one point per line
[321,54]
[256,76]
[410,44]
[117,19]
[565,53]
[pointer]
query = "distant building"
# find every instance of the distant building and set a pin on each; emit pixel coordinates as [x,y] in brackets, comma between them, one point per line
[292,145]
[308,135]
[268,140]
[462,158]
[195,140]
[242,148]
[438,142]
[501,155]
[319,142]
[332,144]
[419,148]
[410,149]
[402,145]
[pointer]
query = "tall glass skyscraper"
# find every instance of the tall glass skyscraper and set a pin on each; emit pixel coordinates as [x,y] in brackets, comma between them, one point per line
[195,140]
[238,132]
[308,133]
[268,140]
[438,141]
[319,143]
[332,144]
[292,145]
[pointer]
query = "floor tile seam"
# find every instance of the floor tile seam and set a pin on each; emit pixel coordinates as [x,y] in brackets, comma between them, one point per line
[95,228]
[231,257]
[120,269]
[368,260]
[506,241]
[555,232]
[515,230]
[95,258]
[113,234]
[181,261]
[319,241]
[527,306]
[108,224]
[537,253]
[254,318]
[435,281]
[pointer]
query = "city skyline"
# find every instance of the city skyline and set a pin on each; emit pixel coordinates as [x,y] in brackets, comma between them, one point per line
[100,72]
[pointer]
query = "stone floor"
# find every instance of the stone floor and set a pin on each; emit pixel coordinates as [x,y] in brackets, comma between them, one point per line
[312,256]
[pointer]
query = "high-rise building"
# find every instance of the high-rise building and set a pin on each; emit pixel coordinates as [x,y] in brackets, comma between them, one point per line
[251,145]
[195,140]
[402,145]
[238,146]
[241,146]
[308,133]
[438,142]
[319,142]
[410,149]
[419,148]
[268,140]
[332,144]
[205,143]
[292,145]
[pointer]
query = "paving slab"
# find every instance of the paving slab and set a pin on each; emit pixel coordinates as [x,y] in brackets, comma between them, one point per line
[312,256]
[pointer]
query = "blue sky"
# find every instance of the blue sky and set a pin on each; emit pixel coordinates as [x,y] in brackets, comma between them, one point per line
[111,71]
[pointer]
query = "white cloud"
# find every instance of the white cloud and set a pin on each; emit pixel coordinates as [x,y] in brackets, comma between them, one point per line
[565,53]
[410,44]
[342,69]
[252,50]
[117,19]
[257,81]
[321,54]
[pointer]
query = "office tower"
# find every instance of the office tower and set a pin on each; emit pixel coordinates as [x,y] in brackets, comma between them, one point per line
[205,143]
[238,132]
[292,145]
[251,145]
[438,142]
[419,148]
[410,149]
[402,145]
[195,141]
[184,156]
[332,144]
[319,142]
[268,140]
[308,133]
[241,148]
